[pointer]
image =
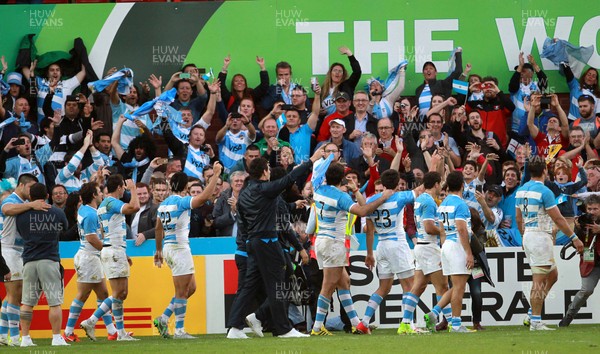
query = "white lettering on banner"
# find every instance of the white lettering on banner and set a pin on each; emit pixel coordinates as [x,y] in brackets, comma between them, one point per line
[320,42]
[423,31]
[364,47]
[535,30]
[587,37]
[506,304]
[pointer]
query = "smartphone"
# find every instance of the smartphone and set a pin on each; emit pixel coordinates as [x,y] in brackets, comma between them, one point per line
[287,107]
[490,135]
[163,161]
[201,70]
[441,143]
[479,188]
[184,75]
[380,146]
[19,142]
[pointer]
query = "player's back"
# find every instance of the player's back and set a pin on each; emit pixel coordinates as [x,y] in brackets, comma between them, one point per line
[110,213]
[451,209]
[386,218]
[174,214]
[533,200]
[425,209]
[333,206]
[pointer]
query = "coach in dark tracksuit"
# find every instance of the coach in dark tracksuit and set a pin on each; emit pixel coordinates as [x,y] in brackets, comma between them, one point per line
[257,208]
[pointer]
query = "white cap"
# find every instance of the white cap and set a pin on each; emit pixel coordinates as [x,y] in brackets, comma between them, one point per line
[338,121]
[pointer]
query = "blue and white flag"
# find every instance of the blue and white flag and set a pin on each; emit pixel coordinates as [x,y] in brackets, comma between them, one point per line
[7,121]
[24,124]
[281,121]
[563,51]
[209,75]
[4,87]
[318,175]
[452,61]
[123,76]
[461,87]
[159,103]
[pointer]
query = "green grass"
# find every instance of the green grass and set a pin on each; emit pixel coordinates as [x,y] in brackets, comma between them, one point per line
[512,339]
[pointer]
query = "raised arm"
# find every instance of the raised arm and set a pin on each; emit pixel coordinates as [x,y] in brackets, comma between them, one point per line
[535,103]
[116,137]
[364,210]
[134,203]
[201,198]
[564,121]
[313,119]
[212,103]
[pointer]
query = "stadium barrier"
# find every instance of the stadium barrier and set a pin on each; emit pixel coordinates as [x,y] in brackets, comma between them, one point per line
[150,290]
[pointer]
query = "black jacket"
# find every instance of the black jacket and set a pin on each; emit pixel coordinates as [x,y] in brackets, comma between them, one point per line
[147,221]
[350,121]
[257,204]
[443,87]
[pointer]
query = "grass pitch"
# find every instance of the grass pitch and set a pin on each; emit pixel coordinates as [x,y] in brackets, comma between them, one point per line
[505,339]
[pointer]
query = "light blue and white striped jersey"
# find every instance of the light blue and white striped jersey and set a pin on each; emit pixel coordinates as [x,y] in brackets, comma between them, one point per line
[383,109]
[333,206]
[425,100]
[8,224]
[174,214]
[110,213]
[87,224]
[18,165]
[129,130]
[518,99]
[387,217]
[195,162]
[232,148]
[426,209]
[61,91]
[574,92]
[498,214]
[454,208]
[469,194]
[66,176]
[534,199]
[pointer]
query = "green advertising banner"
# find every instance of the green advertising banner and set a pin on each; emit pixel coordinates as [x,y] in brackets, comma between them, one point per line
[160,37]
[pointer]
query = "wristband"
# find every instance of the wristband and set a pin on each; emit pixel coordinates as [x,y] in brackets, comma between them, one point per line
[573,237]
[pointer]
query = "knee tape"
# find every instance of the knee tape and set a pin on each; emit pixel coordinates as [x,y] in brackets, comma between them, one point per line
[27,315]
[542,270]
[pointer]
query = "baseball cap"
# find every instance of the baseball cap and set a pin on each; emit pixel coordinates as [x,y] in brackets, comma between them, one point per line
[494,188]
[429,63]
[338,121]
[340,95]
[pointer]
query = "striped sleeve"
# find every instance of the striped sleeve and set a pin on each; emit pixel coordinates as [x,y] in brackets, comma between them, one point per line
[68,171]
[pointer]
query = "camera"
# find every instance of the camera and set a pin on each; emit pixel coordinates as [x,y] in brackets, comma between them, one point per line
[545,101]
[19,142]
[287,107]
[184,75]
[205,148]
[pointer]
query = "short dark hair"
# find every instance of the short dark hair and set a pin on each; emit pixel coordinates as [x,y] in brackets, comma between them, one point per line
[27,178]
[99,135]
[455,181]
[253,147]
[113,182]
[58,186]
[179,182]
[258,167]
[430,179]
[38,191]
[472,163]
[515,170]
[588,98]
[536,166]
[577,127]
[87,192]
[490,78]
[390,179]
[283,65]
[592,199]
[45,124]
[435,115]
[142,185]
[334,174]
